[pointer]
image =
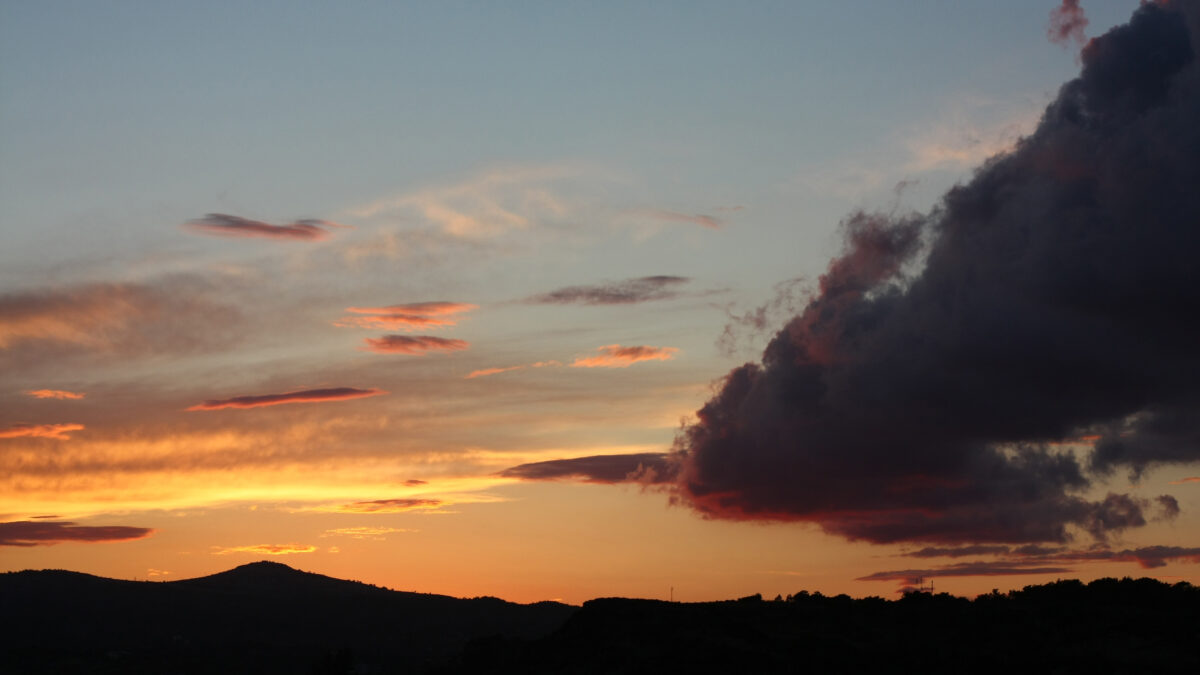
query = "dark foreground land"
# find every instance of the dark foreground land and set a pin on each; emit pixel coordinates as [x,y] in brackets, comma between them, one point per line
[269,618]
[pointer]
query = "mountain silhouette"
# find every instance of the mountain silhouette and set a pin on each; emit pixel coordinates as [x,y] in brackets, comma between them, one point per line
[262,617]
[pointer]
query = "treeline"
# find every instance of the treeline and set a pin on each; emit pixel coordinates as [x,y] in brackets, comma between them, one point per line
[1106,626]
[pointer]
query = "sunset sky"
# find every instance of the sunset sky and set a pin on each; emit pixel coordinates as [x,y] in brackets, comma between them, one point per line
[348,287]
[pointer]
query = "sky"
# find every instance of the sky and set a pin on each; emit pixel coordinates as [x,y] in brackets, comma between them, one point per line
[568,300]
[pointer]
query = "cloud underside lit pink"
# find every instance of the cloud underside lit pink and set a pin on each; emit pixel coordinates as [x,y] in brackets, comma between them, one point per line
[55,394]
[305,396]
[616,356]
[414,345]
[42,533]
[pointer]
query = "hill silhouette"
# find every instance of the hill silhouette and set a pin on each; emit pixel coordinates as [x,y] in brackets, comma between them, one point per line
[262,617]
[269,618]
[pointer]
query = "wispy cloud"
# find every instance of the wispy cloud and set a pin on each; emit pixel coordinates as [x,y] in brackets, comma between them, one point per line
[625,292]
[224,225]
[55,393]
[391,505]
[415,345]
[486,372]
[491,204]
[55,431]
[406,317]
[265,549]
[305,396]
[701,219]
[41,533]
[1189,479]
[376,533]
[616,356]
[966,569]
[1067,23]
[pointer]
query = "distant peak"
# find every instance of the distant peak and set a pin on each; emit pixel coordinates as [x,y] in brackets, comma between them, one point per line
[265,565]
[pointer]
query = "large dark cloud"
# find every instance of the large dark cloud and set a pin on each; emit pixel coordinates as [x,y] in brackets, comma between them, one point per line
[627,292]
[1058,299]
[30,533]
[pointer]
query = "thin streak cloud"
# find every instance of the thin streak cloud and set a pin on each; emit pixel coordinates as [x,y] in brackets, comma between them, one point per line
[225,225]
[55,394]
[413,345]
[58,432]
[305,396]
[627,292]
[616,356]
[266,549]
[27,533]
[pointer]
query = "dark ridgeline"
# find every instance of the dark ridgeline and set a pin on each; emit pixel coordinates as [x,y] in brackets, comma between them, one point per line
[1107,626]
[259,618]
[269,618]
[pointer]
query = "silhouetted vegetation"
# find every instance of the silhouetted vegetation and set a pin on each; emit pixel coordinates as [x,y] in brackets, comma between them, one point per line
[1107,626]
[269,618]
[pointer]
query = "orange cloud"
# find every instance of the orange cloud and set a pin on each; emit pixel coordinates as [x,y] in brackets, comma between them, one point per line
[29,533]
[266,549]
[390,505]
[306,396]
[496,371]
[224,225]
[616,356]
[415,345]
[55,431]
[419,308]
[364,532]
[54,393]
[1189,479]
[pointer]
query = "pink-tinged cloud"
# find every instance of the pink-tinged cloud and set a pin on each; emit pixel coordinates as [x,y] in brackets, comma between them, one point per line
[415,345]
[485,372]
[1067,22]
[410,316]
[1189,479]
[224,225]
[413,482]
[56,431]
[390,505]
[616,356]
[305,396]
[701,219]
[644,467]
[267,549]
[440,308]
[627,292]
[55,393]
[29,533]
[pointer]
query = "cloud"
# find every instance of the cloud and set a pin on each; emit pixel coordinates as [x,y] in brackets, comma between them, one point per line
[700,219]
[646,467]
[223,225]
[391,505]
[956,551]
[629,291]
[486,206]
[1148,557]
[265,549]
[364,532]
[922,393]
[415,345]
[170,315]
[29,533]
[55,431]
[305,396]
[1189,479]
[966,569]
[616,356]
[486,372]
[1067,23]
[408,317]
[55,393]
[413,482]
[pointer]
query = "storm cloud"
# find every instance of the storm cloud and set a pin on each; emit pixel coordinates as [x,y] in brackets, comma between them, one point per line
[927,391]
